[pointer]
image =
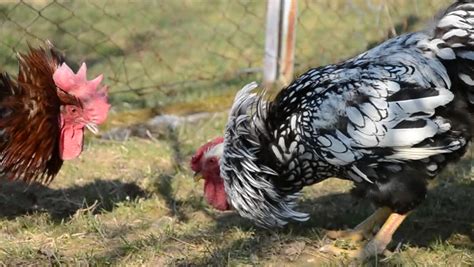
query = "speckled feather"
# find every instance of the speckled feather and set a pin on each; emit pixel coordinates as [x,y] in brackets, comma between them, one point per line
[29,118]
[400,109]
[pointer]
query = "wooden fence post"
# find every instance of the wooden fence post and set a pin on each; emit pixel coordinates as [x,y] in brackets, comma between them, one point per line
[280,39]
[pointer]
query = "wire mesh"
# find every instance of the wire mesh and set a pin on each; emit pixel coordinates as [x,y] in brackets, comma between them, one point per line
[169,51]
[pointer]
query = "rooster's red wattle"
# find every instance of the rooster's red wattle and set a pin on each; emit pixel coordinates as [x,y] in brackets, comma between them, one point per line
[43,113]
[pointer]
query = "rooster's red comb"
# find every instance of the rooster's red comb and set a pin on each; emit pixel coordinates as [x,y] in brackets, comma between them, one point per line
[94,99]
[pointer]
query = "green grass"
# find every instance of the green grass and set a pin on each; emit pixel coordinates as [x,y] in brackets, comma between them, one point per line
[134,202]
[154,54]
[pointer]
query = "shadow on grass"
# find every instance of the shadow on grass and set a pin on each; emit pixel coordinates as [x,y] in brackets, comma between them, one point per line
[447,212]
[165,190]
[163,183]
[18,198]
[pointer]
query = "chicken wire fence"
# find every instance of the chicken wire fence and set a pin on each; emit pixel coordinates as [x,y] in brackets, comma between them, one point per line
[169,51]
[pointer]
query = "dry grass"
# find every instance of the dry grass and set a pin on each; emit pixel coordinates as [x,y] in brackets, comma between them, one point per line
[134,203]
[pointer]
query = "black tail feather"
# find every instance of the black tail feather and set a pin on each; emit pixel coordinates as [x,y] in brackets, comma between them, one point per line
[453,38]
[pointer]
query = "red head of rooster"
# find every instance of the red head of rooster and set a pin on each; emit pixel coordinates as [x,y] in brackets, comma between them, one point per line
[205,164]
[90,110]
[43,114]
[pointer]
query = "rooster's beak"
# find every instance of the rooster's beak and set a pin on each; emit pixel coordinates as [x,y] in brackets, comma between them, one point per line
[93,128]
[197,176]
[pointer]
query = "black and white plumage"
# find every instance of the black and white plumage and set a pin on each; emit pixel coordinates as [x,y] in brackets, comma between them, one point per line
[388,119]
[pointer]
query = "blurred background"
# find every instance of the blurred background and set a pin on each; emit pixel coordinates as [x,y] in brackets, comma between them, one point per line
[158,53]
[173,68]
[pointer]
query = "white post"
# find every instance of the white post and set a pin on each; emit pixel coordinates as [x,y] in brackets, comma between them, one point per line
[287,39]
[272,36]
[280,39]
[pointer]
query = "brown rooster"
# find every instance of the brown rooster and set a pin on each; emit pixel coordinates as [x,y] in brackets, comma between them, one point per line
[43,114]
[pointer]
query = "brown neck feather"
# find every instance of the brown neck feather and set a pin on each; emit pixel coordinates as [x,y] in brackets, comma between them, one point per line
[29,119]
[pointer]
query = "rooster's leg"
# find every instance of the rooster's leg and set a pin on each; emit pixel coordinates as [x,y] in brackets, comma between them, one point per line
[375,246]
[363,230]
[383,237]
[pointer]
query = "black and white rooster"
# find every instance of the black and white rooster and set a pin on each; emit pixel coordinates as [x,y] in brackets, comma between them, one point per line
[389,119]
